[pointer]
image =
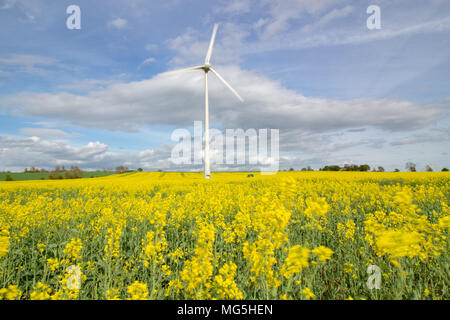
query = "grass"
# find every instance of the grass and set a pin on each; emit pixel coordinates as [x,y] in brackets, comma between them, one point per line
[22,176]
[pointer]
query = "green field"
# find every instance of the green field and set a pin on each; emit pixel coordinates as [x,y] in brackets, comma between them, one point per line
[18,176]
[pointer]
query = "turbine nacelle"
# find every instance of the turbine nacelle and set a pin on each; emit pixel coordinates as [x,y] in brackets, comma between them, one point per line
[206,67]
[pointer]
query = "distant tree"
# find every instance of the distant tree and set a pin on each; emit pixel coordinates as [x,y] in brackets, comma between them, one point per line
[410,166]
[331,168]
[308,168]
[139,170]
[428,168]
[396,170]
[33,169]
[291,169]
[350,167]
[364,167]
[444,170]
[121,169]
[9,178]
[380,169]
[303,169]
[26,170]
[55,175]
[74,173]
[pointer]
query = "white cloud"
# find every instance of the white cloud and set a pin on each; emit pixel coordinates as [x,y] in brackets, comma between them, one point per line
[293,24]
[283,12]
[92,84]
[44,132]
[147,61]
[151,47]
[32,64]
[229,46]
[328,18]
[118,23]
[19,152]
[29,10]
[178,100]
[16,154]
[234,7]
[416,139]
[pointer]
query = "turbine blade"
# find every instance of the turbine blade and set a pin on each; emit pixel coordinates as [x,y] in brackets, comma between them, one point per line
[227,84]
[211,44]
[181,70]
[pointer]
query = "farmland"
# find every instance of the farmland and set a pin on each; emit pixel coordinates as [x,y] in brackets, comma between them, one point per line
[293,235]
[19,176]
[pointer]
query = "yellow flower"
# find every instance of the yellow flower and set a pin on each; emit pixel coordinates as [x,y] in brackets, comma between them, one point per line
[225,286]
[53,264]
[41,247]
[323,253]
[399,243]
[308,293]
[138,291]
[73,249]
[10,293]
[296,260]
[395,263]
[40,292]
[112,294]
[4,242]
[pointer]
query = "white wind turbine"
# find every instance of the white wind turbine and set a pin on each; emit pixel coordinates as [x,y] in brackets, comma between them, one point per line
[206,67]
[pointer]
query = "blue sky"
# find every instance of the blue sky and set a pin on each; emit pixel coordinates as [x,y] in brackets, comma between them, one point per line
[337,91]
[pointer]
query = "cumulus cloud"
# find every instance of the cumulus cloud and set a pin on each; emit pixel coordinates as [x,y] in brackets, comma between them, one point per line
[177,100]
[18,153]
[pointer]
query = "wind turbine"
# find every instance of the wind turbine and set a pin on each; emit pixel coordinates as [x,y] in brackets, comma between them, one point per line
[206,67]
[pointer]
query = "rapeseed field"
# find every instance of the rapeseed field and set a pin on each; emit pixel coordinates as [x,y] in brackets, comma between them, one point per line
[293,235]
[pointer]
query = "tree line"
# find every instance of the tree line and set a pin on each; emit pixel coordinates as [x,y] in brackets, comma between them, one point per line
[410,166]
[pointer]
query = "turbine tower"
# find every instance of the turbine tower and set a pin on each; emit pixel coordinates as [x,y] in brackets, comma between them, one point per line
[206,67]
